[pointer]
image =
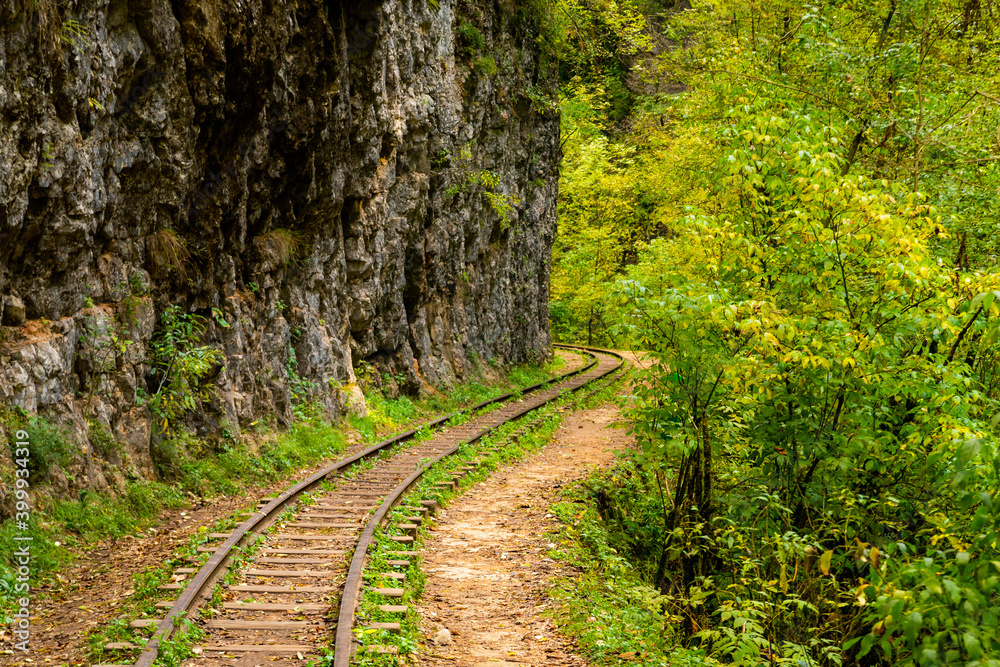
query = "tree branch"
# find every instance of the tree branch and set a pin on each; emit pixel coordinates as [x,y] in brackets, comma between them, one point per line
[961,334]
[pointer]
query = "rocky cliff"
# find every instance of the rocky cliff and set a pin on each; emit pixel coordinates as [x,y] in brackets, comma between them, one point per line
[327,186]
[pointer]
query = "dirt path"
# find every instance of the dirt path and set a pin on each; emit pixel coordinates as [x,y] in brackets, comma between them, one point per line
[486,565]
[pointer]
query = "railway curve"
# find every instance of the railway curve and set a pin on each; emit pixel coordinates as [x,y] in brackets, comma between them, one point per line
[297,568]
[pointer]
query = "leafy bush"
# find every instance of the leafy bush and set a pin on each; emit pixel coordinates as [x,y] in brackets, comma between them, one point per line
[50,446]
[815,476]
[184,366]
[485,66]
[802,333]
[471,38]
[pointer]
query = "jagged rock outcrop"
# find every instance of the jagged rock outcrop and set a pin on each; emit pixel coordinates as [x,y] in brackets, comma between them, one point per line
[330,180]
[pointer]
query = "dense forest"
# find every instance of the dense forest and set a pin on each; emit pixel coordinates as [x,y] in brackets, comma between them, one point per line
[793,208]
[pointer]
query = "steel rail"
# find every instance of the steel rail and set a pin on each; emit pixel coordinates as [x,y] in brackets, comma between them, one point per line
[343,645]
[215,566]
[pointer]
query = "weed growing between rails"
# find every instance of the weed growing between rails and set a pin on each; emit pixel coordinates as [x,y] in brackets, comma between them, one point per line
[61,528]
[141,604]
[178,648]
[513,442]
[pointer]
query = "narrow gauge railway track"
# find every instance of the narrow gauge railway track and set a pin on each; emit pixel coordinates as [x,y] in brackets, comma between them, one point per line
[298,571]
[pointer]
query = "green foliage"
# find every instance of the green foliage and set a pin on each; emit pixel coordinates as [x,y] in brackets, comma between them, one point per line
[615,196]
[177,648]
[59,528]
[775,336]
[442,159]
[470,37]
[46,555]
[597,44]
[137,286]
[302,390]
[219,318]
[798,241]
[103,442]
[51,449]
[75,33]
[612,612]
[141,604]
[184,367]
[485,183]
[485,66]
[105,344]
[910,83]
[542,100]
[384,416]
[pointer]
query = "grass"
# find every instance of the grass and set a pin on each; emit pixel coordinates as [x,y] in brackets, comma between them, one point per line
[605,606]
[178,647]
[146,593]
[168,252]
[281,246]
[50,446]
[233,467]
[485,66]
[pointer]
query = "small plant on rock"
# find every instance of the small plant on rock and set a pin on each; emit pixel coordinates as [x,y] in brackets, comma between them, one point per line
[184,367]
[485,182]
[471,38]
[485,66]
[281,246]
[104,345]
[301,389]
[74,33]
[168,252]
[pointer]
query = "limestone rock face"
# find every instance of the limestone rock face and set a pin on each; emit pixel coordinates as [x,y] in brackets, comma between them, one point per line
[364,184]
